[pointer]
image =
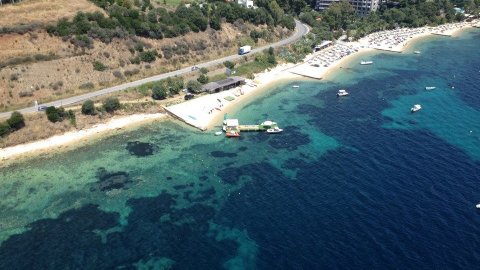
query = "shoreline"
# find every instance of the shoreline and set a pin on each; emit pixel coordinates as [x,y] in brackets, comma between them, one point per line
[71,139]
[209,109]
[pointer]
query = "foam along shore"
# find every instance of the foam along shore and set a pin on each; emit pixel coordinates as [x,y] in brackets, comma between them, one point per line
[203,112]
[74,137]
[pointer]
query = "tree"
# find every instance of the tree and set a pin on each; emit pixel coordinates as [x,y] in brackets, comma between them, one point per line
[4,129]
[99,66]
[111,104]
[88,107]
[194,86]
[203,79]
[55,115]
[16,121]
[148,56]
[204,70]
[229,64]
[159,92]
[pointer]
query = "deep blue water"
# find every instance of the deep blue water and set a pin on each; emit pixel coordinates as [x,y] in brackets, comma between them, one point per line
[352,183]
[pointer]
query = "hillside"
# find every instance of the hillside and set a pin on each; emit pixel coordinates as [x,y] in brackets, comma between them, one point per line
[37,65]
[34,13]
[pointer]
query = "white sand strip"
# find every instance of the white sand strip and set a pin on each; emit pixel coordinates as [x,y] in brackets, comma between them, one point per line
[201,112]
[75,136]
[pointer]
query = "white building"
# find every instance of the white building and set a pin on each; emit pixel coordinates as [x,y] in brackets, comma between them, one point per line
[246,3]
[362,6]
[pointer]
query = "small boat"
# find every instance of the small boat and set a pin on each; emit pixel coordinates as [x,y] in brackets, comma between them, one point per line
[416,108]
[295,86]
[218,133]
[416,52]
[366,62]
[430,87]
[232,134]
[478,206]
[274,130]
[342,92]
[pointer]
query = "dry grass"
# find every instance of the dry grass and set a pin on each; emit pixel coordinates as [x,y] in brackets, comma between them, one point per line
[74,66]
[37,126]
[41,12]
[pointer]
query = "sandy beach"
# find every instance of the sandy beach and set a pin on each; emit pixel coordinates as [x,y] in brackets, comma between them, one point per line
[206,112]
[71,139]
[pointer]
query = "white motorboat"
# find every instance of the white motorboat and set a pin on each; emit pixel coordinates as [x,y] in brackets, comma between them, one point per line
[416,108]
[274,130]
[478,206]
[366,62]
[416,52]
[342,92]
[430,87]
[218,133]
[295,86]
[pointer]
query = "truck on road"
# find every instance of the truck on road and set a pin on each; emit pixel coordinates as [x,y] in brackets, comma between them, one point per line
[244,50]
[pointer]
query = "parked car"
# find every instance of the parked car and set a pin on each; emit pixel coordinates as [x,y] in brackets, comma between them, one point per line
[189,96]
[42,108]
[194,68]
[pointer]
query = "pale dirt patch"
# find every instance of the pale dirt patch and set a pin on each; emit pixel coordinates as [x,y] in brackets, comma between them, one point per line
[41,12]
[74,65]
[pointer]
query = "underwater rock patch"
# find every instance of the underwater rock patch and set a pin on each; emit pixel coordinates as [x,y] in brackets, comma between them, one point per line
[221,154]
[140,149]
[110,180]
[242,148]
[290,139]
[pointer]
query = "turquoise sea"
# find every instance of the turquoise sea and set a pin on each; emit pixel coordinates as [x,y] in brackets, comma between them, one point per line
[352,183]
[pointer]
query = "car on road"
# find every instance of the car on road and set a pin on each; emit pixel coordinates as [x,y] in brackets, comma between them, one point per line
[42,108]
[194,68]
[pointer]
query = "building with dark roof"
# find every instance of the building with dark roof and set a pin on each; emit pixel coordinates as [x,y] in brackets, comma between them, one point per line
[362,6]
[222,85]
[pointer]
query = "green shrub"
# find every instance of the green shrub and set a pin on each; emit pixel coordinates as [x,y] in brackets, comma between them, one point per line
[88,85]
[71,116]
[55,114]
[203,79]
[88,107]
[4,129]
[99,66]
[159,92]
[16,121]
[204,70]
[148,56]
[229,64]
[194,86]
[111,104]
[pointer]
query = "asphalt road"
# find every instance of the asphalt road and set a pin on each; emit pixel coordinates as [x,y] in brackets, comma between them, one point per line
[300,30]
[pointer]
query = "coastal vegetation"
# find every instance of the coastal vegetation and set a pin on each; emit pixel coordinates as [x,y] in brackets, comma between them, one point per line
[88,107]
[341,19]
[111,104]
[15,122]
[140,18]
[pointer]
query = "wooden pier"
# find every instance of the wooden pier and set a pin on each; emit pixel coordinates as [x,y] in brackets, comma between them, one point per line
[251,128]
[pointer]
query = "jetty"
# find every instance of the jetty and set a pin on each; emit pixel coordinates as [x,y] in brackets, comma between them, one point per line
[232,127]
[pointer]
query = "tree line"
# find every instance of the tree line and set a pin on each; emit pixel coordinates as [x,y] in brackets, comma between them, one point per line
[9,2]
[341,18]
[140,18]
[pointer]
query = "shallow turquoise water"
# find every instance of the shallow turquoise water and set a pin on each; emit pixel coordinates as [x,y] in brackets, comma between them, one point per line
[356,182]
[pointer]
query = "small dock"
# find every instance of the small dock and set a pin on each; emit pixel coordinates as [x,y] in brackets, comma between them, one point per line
[232,128]
[251,128]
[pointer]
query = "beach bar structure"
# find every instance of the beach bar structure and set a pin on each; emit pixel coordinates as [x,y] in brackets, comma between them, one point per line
[222,85]
[323,45]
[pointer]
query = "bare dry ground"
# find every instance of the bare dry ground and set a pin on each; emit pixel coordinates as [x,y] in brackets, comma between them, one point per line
[41,12]
[43,68]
